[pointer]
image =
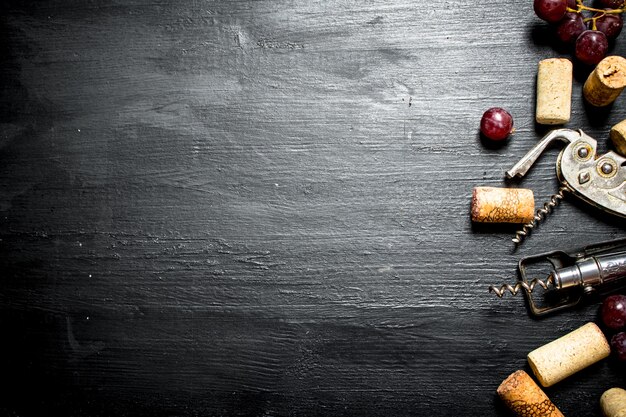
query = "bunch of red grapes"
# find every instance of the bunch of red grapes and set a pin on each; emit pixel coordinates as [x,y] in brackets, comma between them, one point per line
[613,313]
[588,29]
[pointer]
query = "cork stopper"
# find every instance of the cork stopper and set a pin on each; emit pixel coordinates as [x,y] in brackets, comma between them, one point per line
[569,354]
[554,91]
[524,397]
[618,137]
[502,205]
[606,81]
[613,403]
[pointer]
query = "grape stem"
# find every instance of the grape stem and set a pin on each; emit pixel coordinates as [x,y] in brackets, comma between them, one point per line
[581,7]
[593,9]
[593,21]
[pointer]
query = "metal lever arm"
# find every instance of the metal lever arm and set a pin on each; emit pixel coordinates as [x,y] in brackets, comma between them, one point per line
[521,168]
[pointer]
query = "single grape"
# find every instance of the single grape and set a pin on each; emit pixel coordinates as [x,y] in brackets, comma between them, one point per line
[550,10]
[618,343]
[610,24]
[591,47]
[572,4]
[614,311]
[571,27]
[496,124]
[612,4]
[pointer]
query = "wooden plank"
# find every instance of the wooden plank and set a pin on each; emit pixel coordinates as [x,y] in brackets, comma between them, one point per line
[261,208]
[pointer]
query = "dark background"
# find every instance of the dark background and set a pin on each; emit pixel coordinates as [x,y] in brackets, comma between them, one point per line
[261,208]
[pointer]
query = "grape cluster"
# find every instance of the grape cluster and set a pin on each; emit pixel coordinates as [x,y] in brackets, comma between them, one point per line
[613,315]
[588,29]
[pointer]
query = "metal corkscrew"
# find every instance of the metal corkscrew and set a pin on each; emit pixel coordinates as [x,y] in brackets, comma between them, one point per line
[568,277]
[600,180]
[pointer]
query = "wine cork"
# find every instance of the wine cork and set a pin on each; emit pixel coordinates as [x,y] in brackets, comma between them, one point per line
[502,205]
[569,354]
[524,397]
[613,403]
[554,91]
[606,81]
[618,137]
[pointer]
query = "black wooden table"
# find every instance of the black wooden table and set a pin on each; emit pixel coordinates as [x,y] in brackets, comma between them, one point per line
[262,208]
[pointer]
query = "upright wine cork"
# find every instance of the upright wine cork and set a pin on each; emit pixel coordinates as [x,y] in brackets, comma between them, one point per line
[569,354]
[502,205]
[554,91]
[524,397]
[613,403]
[618,137]
[606,81]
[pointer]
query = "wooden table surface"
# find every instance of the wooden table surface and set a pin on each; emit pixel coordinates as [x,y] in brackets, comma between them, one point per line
[262,208]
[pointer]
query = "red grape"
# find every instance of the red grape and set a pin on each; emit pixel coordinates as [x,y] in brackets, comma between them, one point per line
[572,4]
[550,10]
[571,27]
[618,343]
[496,123]
[591,47]
[610,24]
[613,4]
[614,311]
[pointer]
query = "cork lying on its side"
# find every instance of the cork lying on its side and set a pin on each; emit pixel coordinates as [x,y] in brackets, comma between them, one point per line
[554,91]
[502,205]
[618,137]
[613,403]
[569,354]
[606,81]
[524,397]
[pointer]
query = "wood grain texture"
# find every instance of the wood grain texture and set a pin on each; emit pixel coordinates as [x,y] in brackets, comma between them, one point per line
[262,208]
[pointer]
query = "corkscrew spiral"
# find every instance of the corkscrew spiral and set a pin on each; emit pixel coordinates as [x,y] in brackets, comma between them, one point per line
[540,215]
[528,286]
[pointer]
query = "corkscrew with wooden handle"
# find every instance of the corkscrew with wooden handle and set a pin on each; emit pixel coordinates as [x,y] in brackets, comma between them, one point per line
[569,276]
[599,180]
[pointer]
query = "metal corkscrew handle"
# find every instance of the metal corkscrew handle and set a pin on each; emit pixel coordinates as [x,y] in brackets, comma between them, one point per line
[600,267]
[592,272]
[587,274]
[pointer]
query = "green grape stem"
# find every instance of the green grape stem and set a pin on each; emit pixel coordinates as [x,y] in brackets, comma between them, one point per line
[581,7]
